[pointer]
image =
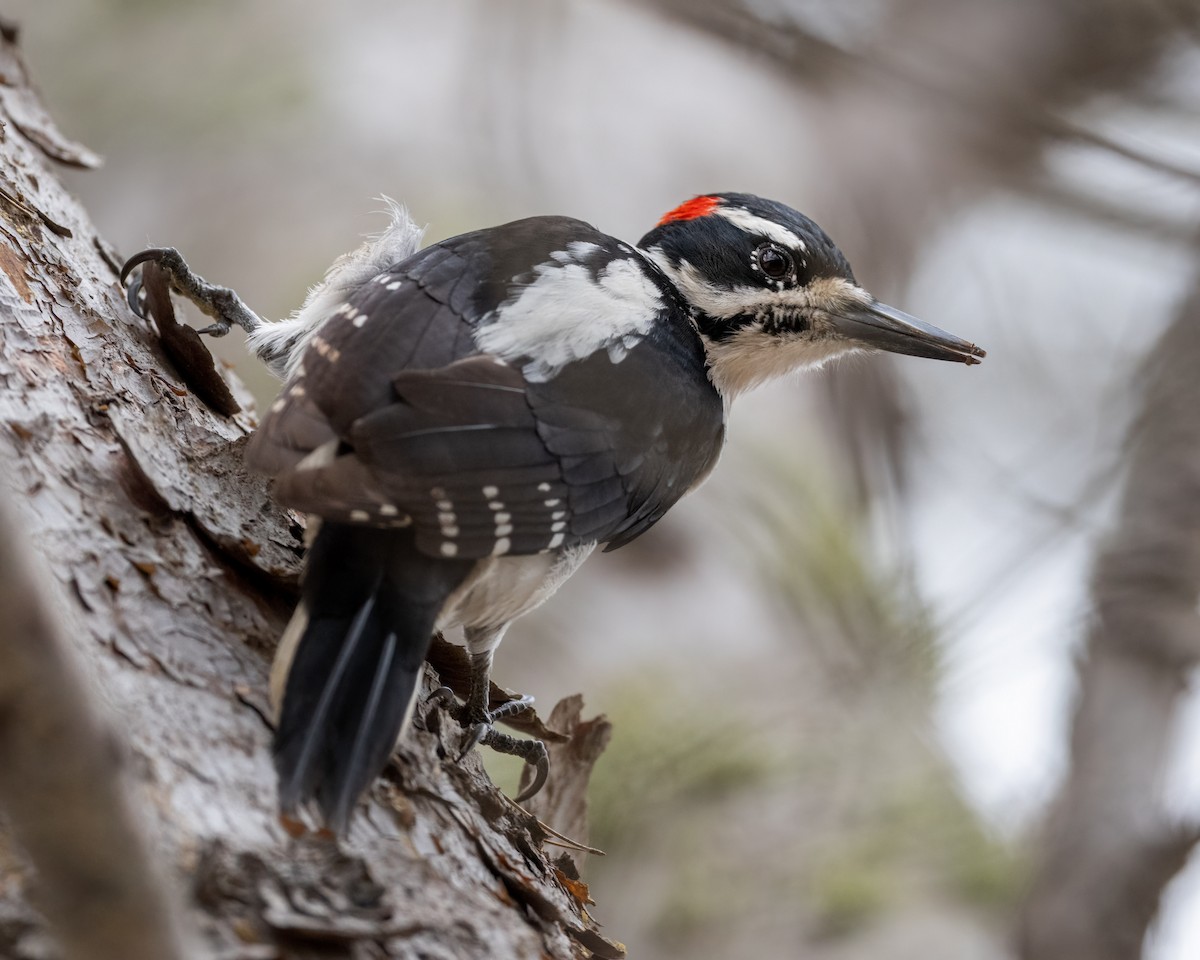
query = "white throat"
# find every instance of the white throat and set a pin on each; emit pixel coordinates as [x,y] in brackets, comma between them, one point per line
[751,357]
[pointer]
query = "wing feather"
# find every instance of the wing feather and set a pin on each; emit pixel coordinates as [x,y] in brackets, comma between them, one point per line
[430,432]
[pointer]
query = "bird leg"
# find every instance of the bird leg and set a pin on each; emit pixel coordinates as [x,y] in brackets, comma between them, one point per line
[477,720]
[220,303]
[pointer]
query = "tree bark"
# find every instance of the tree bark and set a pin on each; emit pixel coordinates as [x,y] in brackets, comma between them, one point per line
[176,573]
[97,883]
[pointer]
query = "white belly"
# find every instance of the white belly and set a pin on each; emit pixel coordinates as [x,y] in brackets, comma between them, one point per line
[500,589]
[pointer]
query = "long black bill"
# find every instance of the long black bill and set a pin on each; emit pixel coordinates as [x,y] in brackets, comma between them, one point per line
[885,328]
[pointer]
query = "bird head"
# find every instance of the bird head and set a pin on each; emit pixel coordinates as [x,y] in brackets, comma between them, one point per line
[771,293]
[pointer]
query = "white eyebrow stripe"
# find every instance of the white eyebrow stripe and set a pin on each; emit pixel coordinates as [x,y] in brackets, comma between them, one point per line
[743,218]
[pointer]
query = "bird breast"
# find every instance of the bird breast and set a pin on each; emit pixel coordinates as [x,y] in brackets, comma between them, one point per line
[500,589]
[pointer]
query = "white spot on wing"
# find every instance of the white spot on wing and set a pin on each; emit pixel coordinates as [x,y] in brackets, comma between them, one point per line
[503,545]
[491,492]
[449,549]
[361,516]
[323,456]
[327,351]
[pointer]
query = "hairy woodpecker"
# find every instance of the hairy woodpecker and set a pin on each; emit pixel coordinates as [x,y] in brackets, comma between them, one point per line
[468,421]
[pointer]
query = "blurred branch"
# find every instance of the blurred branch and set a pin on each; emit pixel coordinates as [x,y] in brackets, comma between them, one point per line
[786,44]
[1110,849]
[800,52]
[62,787]
[1073,200]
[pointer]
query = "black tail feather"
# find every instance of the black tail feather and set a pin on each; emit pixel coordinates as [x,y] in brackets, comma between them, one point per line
[371,603]
[302,773]
[364,763]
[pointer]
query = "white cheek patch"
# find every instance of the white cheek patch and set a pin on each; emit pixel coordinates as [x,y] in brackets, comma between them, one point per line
[721,303]
[715,301]
[787,329]
[567,313]
[754,355]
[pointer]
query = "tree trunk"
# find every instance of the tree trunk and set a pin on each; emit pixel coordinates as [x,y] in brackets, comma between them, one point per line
[174,574]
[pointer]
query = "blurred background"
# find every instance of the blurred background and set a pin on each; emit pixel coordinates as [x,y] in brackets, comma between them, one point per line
[843,675]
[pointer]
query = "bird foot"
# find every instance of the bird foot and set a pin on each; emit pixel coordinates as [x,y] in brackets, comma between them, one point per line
[478,722]
[221,303]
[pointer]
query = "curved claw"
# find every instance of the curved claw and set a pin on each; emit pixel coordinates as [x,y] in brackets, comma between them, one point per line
[542,767]
[215,329]
[133,296]
[474,737]
[153,253]
[220,303]
[441,696]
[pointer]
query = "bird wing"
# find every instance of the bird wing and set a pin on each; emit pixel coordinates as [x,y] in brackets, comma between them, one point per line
[398,417]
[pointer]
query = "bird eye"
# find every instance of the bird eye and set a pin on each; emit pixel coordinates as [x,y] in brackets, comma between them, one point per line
[774,261]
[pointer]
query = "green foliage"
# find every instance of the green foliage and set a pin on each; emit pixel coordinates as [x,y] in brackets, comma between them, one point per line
[703,895]
[820,555]
[672,750]
[923,837]
[847,894]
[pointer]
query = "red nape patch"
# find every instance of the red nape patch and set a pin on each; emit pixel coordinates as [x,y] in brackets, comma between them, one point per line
[696,207]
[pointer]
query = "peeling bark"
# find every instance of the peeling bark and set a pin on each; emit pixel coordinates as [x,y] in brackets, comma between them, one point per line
[179,574]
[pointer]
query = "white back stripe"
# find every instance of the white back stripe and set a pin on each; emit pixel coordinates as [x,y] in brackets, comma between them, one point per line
[567,314]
